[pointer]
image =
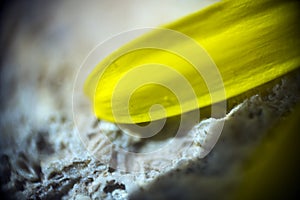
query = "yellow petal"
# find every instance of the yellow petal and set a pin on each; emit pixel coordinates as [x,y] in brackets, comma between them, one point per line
[250,42]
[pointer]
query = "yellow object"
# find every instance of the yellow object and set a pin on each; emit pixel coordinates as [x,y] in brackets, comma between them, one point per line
[250,41]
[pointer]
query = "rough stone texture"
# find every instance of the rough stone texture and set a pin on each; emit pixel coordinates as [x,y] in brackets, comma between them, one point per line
[52,163]
[42,156]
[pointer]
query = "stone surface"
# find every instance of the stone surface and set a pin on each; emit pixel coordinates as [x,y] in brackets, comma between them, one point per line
[51,162]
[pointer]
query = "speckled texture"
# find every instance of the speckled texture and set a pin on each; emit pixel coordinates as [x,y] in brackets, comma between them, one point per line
[42,156]
[52,163]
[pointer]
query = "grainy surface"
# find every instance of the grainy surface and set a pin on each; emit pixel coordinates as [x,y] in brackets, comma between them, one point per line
[42,157]
[51,163]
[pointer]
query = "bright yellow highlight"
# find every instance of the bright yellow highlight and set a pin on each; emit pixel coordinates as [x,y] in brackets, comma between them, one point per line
[250,41]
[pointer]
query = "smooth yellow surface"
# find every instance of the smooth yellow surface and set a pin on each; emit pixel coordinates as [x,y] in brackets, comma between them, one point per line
[250,41]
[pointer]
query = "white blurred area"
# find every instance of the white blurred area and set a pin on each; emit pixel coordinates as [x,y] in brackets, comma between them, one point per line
[84,24]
